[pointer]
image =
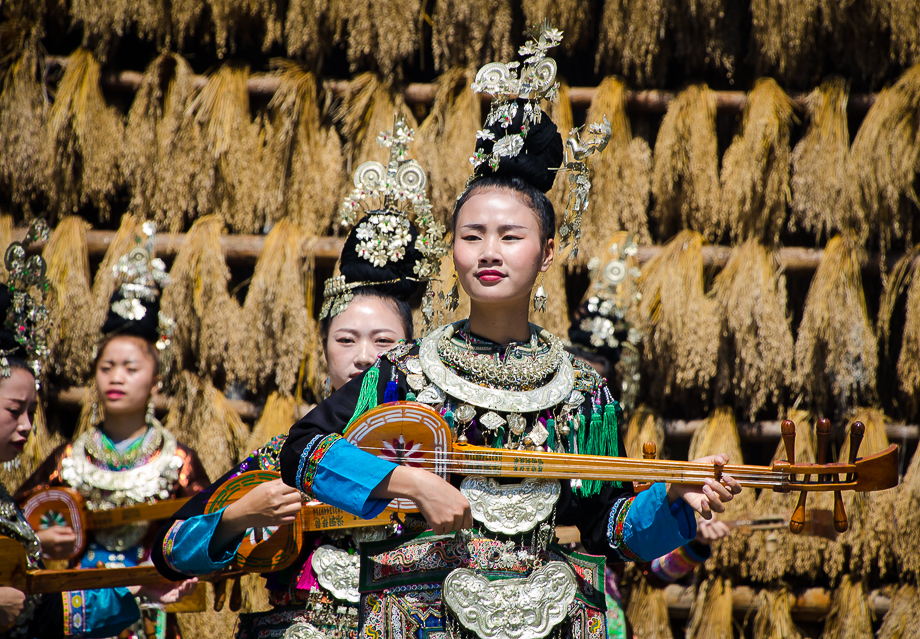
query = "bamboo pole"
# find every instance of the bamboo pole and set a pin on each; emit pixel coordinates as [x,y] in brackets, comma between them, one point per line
[647,101]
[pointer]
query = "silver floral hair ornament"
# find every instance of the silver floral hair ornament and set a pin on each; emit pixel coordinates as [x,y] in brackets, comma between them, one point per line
[26,316]
[381,205]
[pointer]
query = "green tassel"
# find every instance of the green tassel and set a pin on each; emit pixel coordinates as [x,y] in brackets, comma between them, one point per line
[551,434]
[368,397]
[449,418]
[499,440]
[582,434]
[572,436]
[603,440]
[410,396]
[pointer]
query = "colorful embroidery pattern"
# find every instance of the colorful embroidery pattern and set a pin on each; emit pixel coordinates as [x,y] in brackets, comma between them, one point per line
[169,541]
[74,613]
[615,525]
[674,565]
[304,457]
[310,460]
[270,454]
[587,380]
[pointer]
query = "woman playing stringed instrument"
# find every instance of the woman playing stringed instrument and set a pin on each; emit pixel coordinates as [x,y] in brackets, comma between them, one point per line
[129,458]
[498,381]
[375,318]
[89,613]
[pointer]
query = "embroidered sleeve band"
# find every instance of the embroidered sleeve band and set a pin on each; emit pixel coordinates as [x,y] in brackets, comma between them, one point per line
[310,458]
[676,564]
[652,527]
[74,613]
[616,525]
[187,546]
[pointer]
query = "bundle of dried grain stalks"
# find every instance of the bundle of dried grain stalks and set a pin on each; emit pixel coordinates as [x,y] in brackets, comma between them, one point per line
[645,425]
[308,30]
[278,325]
[126,238]
[306,155]
[907,520]
[682,345]
[207,335]
[84,140]
[756,349]
[74,327]
[903,618]
[820,184]
[774,615]
[23,163]
[276,419]
[788,39]
[711,615]
[685,177]
[755,169]
[647,612]
[903,276]
[167,164]
[885,157]
[240,20]
[575,18]
[378,34]
[471,32]
[835,353]
[620,176]
[235,150]
[103,22]
[903,16]
[851,616]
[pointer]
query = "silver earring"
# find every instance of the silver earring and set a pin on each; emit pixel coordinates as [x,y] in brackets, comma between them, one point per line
[150,417]
[539,298]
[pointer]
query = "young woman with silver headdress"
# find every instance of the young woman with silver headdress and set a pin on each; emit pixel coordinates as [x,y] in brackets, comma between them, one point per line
[85,613]
[498,381]
[128,457]
[365,313]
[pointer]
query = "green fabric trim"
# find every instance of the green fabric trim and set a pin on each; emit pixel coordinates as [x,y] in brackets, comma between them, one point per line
[368,397]
[551,436]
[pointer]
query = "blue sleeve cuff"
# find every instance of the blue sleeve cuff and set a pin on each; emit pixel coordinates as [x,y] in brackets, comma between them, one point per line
[187,545]
[645,527]
[98,613]
[346,476]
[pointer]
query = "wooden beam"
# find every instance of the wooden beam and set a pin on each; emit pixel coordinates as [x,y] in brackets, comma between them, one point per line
[646,101]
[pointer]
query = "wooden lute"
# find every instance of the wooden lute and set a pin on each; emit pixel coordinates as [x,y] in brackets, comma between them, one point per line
[414,434]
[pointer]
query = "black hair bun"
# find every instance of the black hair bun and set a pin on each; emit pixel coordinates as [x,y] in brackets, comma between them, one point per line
[535,163]
[146,327]
[356,268]
[8,342]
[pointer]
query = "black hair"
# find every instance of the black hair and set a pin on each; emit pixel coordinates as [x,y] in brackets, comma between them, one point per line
[531,196]
[147,327]
[401,306]
[146,345]
[14,362]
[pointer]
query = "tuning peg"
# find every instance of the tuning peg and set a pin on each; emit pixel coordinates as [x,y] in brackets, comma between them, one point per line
[797,521]
[823,430]
[857,431]
[236,595]
[840,516]
[649,450]
[788,430]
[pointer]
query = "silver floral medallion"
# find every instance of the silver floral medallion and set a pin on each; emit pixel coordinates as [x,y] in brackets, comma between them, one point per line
[431,394]
[519,608]
[337,572]
[303,630]
[510,508]
[465,413]
[414,366]
[539,434]
[492,421]
[417,382]
[517,423]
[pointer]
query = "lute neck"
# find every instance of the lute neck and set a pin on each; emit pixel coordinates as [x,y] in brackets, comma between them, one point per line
[477,460]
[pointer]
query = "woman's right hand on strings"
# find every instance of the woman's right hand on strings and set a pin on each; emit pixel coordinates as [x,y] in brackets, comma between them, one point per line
[273,503]
[443,506]
[57,541]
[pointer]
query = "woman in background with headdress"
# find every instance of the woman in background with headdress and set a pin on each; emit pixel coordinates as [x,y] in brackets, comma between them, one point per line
[129,457]
[87,613]
[365,313]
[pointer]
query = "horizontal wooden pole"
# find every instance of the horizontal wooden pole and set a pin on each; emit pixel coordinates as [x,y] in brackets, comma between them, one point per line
[810,604]
[646,101]
[243,250]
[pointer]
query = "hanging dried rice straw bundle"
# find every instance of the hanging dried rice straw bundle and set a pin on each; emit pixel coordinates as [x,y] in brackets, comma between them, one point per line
[620,176]
[71,306]
[870,515]
[905,275]
[902,18]
[902,621]
[788,40]
[6,238]
[835,354]
[104,22]
[755,170]
[851,615]
[819,165]
[275,313]
[907,520]
[630,41]
[166,161]
[682,346]
[706,36]
[756,347]
[308,29]
[774,615]
[685,176]
[235,149]
[276,419]
[209,623]
[471,32]
[645,425]
[104,284]
[201,418]
[23,163]
[187,17]
[885,157]
[85,139]
[711,614]
[575,18]
[445,140]
[208,321]
[306,153]
[236,20]
[367,108]
[647,612]
[380,34]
